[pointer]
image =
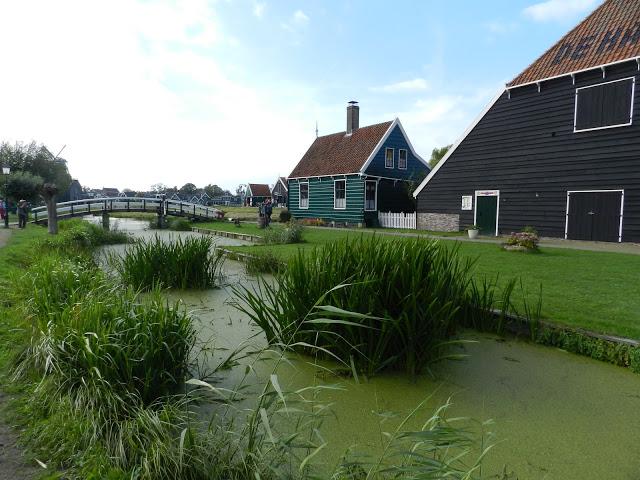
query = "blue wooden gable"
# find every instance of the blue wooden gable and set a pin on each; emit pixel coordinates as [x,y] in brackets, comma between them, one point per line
[396,139]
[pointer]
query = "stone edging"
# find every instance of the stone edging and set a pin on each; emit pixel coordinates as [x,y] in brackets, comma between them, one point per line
[221,233]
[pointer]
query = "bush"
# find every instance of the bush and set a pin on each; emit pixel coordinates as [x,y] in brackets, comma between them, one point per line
[292,233]
[263,263]
[374,303]
[285,216]
[523,239]
[180,224]
[313,222]
[182,263]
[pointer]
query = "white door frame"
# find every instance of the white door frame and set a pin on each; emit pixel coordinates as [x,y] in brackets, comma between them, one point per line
[486,193]
[569,192]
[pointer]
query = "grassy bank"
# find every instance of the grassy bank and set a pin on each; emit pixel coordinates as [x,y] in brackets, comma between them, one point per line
[579,288]
[101,376]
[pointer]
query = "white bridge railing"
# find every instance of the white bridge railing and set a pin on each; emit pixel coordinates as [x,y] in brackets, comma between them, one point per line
[121,204]
[397,220]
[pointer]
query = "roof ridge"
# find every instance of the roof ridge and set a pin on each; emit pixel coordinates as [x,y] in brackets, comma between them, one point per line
[344,132]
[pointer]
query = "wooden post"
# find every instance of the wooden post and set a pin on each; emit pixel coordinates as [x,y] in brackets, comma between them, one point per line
[105,220]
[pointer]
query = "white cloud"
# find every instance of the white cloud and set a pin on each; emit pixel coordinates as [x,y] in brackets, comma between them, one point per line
[558,10]
[499,27]
[298,20]
[258,9]
[300,17]
[137,95]
[415,85]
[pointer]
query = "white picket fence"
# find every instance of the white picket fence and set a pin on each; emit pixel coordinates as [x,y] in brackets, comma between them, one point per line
[397,220]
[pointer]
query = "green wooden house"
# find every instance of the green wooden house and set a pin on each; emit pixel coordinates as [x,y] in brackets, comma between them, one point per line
[348,177]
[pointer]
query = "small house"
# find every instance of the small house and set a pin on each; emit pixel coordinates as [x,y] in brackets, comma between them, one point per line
[350,176]
[279,192]
[256,194]
[557,148]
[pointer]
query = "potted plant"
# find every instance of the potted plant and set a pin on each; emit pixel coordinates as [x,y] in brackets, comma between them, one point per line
[473,231]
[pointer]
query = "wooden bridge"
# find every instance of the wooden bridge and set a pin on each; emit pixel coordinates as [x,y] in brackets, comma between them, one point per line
[105,206]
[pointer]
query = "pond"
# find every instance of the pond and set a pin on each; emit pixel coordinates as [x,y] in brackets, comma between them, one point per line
[555,415]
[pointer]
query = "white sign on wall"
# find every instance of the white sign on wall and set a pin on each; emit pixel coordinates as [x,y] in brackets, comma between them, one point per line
[467,202]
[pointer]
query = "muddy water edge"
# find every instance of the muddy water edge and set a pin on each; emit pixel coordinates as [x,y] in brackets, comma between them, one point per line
[555,415]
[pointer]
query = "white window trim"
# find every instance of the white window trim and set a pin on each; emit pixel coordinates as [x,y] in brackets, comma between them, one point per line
[486,193]
[393,158]
[406,158]
[300,195]
[569,192]
[575,108]
[345,194]
[365,196]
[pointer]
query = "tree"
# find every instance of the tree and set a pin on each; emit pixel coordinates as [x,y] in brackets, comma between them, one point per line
[159,188]
[23,185]
[49,192]
[437,154]
[188,189]
[213,190]
[240,190]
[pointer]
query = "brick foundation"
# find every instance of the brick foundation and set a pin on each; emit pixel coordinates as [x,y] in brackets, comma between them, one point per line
[438,222]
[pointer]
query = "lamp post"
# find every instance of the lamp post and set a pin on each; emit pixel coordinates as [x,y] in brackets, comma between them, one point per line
[6,171]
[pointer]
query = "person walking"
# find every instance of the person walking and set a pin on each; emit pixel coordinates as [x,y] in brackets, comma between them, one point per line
[22,213]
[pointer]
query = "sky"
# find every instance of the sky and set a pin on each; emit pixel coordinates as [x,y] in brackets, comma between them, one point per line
[229,91]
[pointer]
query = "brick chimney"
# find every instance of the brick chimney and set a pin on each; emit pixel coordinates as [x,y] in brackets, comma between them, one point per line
[353,117]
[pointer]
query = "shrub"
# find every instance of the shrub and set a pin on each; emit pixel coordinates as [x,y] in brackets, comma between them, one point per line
[182,263]
[313,222]
[523,239]
[380,304]
[180,224]
[285,216]
[292,233]
[263,263]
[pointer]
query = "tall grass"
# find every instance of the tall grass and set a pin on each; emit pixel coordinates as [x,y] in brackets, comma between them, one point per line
[181,262]
[410,296]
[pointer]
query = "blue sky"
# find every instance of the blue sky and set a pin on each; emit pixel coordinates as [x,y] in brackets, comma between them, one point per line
[228,92]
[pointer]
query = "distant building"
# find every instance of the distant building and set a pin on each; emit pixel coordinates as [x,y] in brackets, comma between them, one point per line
[257,193]
[74,192]
[110,192]
[350,176]
[280,192]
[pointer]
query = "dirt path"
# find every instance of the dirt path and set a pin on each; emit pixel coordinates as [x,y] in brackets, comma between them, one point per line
[13,464]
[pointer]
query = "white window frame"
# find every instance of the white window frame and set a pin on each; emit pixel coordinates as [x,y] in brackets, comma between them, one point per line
[406,158]
[486,193]
[300,195]
[393,158]
[469,198]
[365,196]
[575,108]
[569,192]
[345,194]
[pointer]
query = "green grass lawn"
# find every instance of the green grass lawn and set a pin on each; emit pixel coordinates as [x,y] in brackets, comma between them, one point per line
[245,213]
[593,290]
[19,248]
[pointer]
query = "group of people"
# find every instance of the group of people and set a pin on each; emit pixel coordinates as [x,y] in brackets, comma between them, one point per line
[266,210]
[22,209]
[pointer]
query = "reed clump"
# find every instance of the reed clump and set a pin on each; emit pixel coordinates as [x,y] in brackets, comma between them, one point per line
[181,262]
[408,297]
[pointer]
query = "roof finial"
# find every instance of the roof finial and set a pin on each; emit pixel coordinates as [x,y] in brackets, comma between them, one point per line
[316,129]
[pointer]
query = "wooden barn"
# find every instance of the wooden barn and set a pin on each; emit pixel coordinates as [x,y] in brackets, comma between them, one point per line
[347,177]
[280,192]
[256,193]
[558,148]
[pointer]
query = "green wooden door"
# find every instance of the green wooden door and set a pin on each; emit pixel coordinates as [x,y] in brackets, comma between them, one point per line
[486,214]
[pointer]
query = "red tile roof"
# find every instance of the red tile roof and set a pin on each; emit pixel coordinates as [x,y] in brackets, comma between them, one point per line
[610,34]
[260,190]
[339,153]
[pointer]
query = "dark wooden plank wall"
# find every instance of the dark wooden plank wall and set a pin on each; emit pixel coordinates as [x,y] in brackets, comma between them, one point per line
[526,148]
